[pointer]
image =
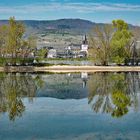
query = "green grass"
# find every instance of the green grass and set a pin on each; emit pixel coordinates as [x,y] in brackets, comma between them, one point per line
[29,61]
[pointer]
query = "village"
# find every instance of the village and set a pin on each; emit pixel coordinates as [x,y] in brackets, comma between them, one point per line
[73,50]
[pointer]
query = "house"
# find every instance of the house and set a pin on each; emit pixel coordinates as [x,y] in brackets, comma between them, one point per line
[61,54]
[82,54]
[52,53]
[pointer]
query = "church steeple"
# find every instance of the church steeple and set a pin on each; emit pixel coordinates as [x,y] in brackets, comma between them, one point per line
[85,42]
[84,46]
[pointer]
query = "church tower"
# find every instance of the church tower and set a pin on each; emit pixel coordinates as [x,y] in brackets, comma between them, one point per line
[84,46]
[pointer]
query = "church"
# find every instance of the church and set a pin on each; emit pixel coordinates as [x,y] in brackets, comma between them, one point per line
[84,48]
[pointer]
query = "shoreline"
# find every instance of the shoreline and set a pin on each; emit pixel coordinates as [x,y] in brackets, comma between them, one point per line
[63,69]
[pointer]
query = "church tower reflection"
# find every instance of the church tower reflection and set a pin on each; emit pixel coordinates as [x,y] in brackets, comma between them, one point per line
[84,77]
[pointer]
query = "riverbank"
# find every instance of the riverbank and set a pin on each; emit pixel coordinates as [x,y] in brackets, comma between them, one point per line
[63,69]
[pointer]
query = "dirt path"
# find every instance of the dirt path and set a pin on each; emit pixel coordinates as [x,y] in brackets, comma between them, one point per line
[70,69]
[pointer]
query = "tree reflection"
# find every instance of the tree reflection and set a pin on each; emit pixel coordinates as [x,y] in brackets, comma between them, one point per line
[13,88]
[113,93]
[121,102]
[99,92]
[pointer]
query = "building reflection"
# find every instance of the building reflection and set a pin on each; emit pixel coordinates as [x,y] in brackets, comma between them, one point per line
[84,77]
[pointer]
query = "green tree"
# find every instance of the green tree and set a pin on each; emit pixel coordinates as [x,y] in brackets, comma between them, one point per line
[121,40]
[111,43]
[14,38]
[3,39]
[13,44]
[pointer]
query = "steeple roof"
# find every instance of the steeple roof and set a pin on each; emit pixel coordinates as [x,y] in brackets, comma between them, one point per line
[85,42]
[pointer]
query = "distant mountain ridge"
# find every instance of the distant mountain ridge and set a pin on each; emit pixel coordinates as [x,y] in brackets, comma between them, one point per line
[73,26]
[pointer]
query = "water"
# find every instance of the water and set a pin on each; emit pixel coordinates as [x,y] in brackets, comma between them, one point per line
[78,106]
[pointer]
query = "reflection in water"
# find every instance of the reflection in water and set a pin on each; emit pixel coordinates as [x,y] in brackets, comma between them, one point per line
[14,87]
[113,93]
[84,77]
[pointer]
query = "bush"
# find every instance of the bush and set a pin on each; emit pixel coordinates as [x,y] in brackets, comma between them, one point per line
[42,64]
[16,61]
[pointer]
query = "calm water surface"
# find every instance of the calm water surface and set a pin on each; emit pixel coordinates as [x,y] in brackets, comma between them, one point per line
[78,106]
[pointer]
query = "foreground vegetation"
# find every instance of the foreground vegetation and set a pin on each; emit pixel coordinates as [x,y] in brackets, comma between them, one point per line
[113,43]
[13,45]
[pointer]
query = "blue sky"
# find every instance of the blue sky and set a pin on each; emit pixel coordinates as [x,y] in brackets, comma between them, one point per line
[103,11]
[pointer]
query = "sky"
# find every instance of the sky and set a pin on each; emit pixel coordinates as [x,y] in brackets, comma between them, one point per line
[100,11]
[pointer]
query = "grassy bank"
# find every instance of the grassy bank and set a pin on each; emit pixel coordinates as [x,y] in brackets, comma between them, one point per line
[60,69]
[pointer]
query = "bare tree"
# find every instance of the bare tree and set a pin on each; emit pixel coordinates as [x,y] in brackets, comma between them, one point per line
[100,40]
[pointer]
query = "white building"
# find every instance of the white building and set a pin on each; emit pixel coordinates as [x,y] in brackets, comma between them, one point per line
[84,46]
[52,53]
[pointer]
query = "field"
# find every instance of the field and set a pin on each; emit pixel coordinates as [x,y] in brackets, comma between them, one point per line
[57,40]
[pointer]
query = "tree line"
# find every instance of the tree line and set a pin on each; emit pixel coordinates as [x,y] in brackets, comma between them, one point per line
[113,43]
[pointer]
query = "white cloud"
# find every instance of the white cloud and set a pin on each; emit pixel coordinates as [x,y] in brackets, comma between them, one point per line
[76,7]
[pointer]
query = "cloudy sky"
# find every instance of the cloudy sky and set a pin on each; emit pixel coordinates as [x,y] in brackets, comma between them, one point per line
[94,10]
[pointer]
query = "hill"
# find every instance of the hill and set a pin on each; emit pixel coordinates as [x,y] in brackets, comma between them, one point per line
[76,26]
[58,33]
[73,26]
